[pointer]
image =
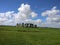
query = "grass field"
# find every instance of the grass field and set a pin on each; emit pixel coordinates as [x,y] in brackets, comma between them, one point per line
[29,36]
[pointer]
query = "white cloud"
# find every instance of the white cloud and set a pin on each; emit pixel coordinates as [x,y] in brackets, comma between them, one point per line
[24,14]
[6,17]
[53,17]
[24,10]
[38,21]
[54,8]
[51,12]
[33,14]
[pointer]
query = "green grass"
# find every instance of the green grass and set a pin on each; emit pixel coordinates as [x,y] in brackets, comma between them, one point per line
[29,36]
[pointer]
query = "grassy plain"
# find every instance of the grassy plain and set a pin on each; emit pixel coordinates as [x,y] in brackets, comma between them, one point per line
[10,35]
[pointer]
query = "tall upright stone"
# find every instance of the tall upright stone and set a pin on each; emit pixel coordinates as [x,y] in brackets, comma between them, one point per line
[35,26]
[22,24]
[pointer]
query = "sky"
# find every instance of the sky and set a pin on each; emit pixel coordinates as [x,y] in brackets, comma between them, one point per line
[44,13]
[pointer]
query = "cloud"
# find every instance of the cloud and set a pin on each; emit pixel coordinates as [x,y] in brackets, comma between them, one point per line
[53,17]
[24,14]
[33,14]
[25,11]
[38,21]
[6,17]
[51,12]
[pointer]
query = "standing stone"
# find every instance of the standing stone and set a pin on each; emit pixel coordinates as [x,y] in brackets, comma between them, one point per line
[22,24]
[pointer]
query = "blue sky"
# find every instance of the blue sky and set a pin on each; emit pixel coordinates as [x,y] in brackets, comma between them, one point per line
[37,6]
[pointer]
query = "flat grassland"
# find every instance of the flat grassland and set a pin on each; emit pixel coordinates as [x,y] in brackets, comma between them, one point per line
[10,35]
